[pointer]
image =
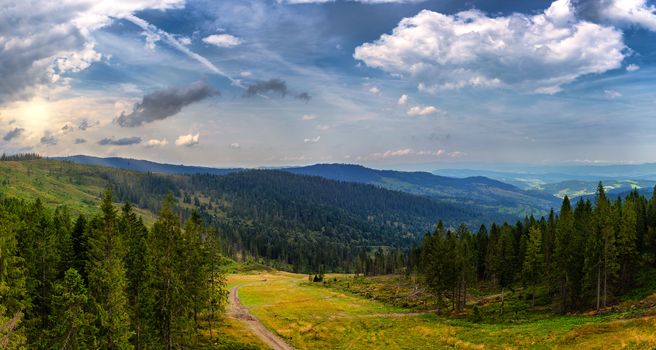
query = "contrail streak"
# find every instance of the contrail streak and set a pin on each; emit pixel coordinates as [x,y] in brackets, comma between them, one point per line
[171,40]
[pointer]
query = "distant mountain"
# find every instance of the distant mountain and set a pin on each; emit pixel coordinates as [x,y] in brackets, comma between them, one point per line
[146,165]
[485,194]
[475,190]
[536,177]
[573,181]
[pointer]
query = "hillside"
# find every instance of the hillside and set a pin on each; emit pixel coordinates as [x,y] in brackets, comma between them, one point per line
[485,194]
[298,221]
[146,165]
[476,190]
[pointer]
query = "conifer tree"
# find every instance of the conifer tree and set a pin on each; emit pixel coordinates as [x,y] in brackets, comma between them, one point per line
[73,326]
[13,292]
[627,243]
[532,268]
[172,308]
[80,244]
[138,271]
[564,247]
[107,279]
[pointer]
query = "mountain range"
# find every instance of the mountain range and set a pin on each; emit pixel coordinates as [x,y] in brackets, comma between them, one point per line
[485,194]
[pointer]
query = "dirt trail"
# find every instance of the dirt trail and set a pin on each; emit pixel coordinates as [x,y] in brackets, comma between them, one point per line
[237,311]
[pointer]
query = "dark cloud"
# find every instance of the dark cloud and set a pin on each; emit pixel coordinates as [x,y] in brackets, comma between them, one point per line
[49,139]
[13,134]
[80,141]
[126,141]
[165,103]
[86,124]
[304,96]
[278,86]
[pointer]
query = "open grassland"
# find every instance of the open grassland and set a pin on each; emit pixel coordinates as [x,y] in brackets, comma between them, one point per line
[313,316]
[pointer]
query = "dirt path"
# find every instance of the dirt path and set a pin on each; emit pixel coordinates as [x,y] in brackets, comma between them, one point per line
[237,311]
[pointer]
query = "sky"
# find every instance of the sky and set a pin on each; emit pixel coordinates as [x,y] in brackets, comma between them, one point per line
[405,84]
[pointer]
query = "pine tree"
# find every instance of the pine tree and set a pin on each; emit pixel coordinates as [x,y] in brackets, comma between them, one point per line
[564,246]
[13,292]
[37,245]
[627,243]
[138,271]
[172,309]
[107,280]
[80,244]
[504,261]
[532,268]
[73,326]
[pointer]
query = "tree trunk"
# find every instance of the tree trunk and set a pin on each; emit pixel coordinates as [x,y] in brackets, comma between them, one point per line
[598,284]
[605,284]
[501,301]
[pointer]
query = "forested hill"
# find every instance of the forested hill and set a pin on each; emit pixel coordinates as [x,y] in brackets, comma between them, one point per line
[299,222]
[485,194]
[146,165]
[477,190]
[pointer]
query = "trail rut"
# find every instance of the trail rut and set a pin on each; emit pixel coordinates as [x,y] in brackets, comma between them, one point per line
[238,311]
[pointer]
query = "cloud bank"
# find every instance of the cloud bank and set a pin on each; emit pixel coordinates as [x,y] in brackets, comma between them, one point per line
[538,53]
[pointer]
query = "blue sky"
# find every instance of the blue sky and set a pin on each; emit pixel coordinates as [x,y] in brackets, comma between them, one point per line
[390,84]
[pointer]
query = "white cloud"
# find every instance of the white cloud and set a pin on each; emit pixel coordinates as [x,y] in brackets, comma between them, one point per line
[307,117]
[397,153]
[536,53]
[246,74]
[156,143]
[624,12]
[612,94]
[40,42]
[632,67]
[418,111]
[187,140]
[374,90]
[222,40]
[436,153]
[151,39]
[409,152]
[323,127]
[235,145]
[403,99]
[314,140]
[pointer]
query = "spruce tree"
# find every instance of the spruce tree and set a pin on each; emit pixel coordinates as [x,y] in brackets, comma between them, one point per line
[13,292]
[73,326]
[532,268]
[107,280]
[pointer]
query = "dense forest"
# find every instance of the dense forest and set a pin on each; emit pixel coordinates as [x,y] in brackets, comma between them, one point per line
[294,222]
[585,257]
[105,282]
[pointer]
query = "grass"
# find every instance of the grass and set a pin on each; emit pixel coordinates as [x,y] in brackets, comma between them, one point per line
[317,316]
[77,187]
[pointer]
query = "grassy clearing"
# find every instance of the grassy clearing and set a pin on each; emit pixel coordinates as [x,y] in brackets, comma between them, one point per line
[77,187]
[314,316]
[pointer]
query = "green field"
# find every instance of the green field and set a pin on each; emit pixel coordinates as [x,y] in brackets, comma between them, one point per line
[77,187]
[313,316]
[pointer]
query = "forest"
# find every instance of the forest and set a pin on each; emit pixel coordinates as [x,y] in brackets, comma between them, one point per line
[106,281]
[293,222]
[586,256]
